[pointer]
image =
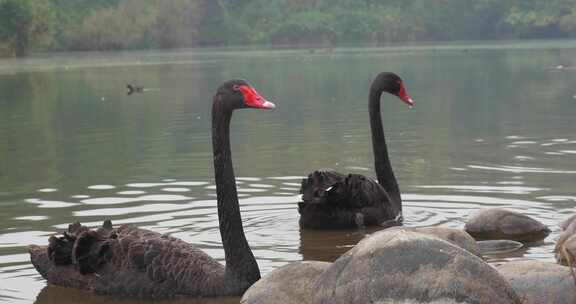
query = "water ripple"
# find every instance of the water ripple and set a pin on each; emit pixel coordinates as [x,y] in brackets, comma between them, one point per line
[486,189]
[143,198]
[515,169]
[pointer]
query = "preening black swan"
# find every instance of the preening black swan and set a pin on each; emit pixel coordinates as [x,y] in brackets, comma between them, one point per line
[138,262]
[333,200]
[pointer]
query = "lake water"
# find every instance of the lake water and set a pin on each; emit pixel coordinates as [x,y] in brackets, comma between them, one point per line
[494,126]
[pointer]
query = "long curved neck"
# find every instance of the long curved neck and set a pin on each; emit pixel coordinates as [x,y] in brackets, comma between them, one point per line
[241,266]
[382,164]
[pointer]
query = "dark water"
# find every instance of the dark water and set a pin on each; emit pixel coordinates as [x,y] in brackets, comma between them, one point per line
[494,126]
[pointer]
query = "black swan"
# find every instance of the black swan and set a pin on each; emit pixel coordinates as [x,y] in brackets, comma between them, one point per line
[139,262]
[331,200]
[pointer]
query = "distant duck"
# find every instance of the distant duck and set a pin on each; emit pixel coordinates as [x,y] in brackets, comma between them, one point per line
[134,89]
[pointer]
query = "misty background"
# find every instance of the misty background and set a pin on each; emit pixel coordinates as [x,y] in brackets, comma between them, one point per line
[63,25]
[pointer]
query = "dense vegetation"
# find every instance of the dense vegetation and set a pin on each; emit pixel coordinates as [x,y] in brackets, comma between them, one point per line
[33,25]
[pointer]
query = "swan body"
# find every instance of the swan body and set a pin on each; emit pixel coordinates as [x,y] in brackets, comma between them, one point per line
[332,200]
[137,262]
[129,261]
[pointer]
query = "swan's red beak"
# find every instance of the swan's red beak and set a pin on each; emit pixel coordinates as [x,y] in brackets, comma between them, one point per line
[253,100]
[403,95]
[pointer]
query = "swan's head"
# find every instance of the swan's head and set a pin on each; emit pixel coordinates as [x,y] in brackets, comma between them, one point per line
[239,94]
[393,84]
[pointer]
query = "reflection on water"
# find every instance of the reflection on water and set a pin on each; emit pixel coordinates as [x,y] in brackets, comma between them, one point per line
[493,127]
[321,245]
[55,295]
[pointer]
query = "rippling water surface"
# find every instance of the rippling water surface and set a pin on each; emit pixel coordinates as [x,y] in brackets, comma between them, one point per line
[493,126]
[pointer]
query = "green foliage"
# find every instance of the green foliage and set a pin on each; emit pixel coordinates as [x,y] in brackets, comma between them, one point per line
[25,24]
[70,16]
[120,27]
[303,27]
[120,24]
[176,23]
[137,24]
[537,18]
[567,23]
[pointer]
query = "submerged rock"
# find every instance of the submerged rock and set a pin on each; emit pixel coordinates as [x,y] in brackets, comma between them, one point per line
[496,223]
[491,247]
[399,266]
[455,236]
[289,284]
[540,282]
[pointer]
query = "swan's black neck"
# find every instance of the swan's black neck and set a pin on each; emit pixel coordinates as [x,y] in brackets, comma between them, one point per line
[382,164]
[241,266]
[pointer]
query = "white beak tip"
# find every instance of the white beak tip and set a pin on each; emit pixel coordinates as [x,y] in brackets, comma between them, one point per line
[268,105]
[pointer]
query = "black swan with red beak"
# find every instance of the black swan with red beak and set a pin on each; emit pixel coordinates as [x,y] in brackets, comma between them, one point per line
[331,200]
[137,262]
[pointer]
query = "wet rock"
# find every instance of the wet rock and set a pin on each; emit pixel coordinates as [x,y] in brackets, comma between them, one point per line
[565,249]
[289,284]
[540,282]
[455,236]
[496,224]
[492,247]
[399,266]
[565,223]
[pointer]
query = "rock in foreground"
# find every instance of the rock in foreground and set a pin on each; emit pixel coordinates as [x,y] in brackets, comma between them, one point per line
[540,282]
[289,284]
[398,266]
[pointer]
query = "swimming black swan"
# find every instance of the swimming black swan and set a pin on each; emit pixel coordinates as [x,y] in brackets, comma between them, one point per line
[138,262]
[332,200]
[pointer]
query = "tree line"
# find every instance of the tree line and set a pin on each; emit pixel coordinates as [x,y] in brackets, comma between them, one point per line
[64,25]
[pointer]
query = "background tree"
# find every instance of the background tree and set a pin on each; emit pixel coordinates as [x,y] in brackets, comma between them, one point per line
[25,24]
[533,18]
[177,23]
[30,25]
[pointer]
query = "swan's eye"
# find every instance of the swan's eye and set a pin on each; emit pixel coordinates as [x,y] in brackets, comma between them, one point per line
[236,88]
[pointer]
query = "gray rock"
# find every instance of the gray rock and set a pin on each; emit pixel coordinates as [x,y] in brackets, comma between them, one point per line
[496,224]
[289,284]
[540,282]
[399,266]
